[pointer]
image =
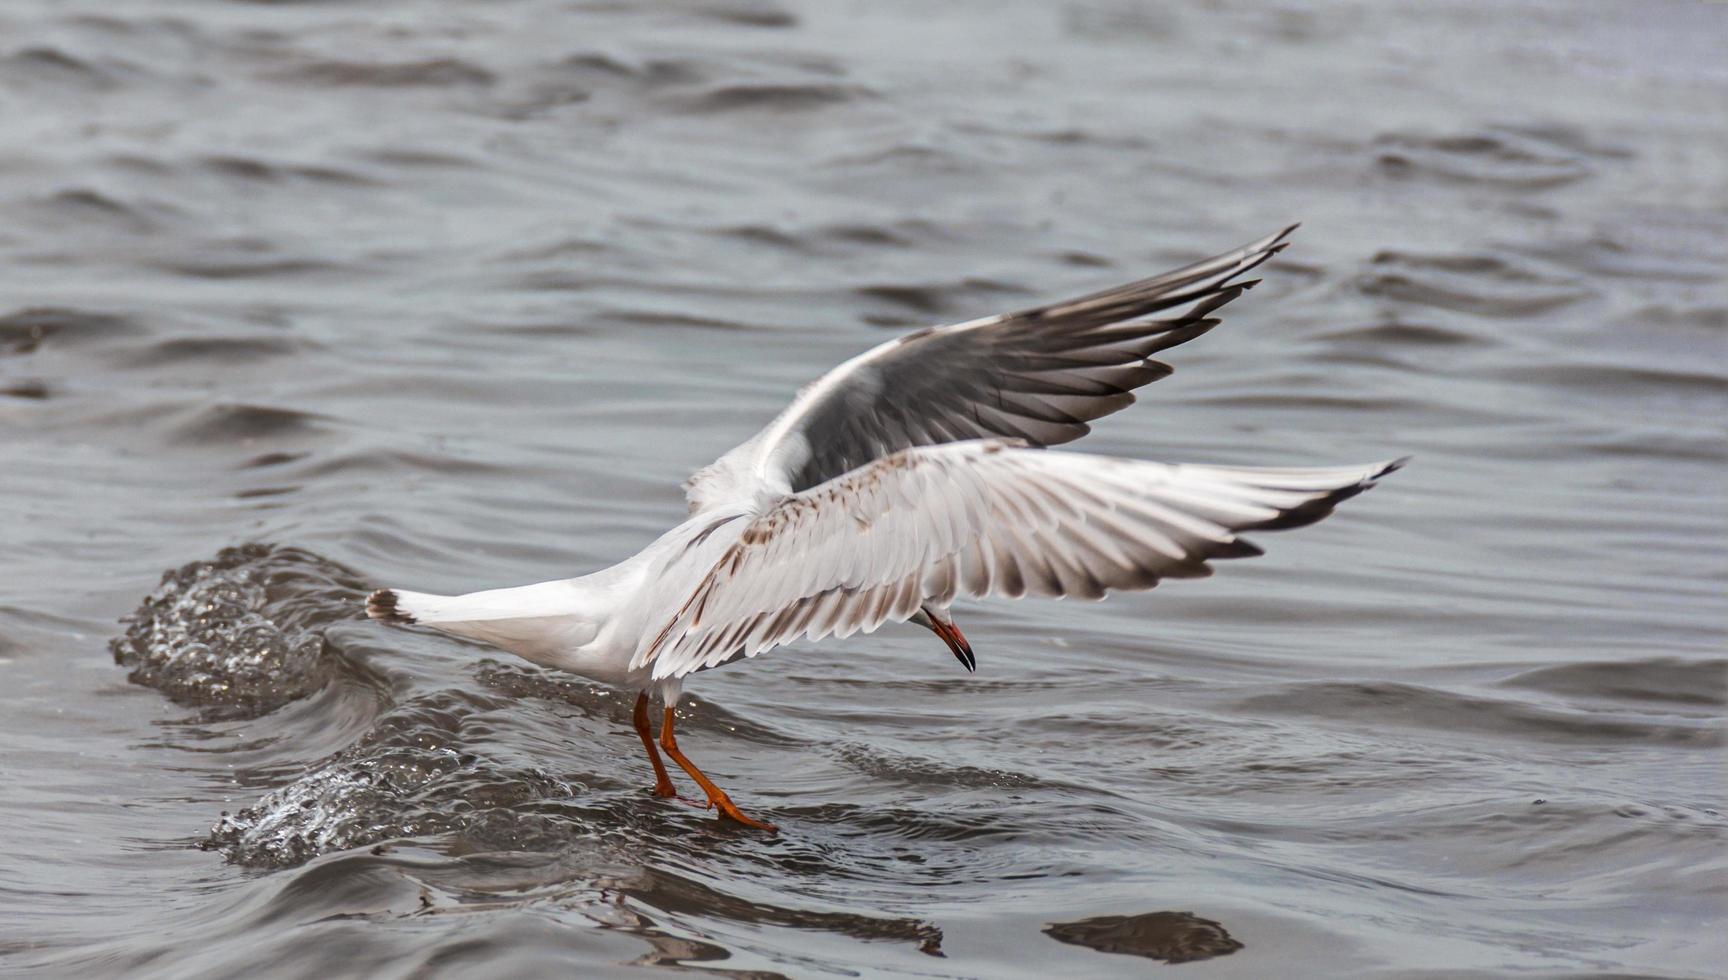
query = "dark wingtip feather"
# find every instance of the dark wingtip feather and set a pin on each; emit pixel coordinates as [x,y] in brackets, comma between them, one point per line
[382,606]
[1237,548]
[1303,515]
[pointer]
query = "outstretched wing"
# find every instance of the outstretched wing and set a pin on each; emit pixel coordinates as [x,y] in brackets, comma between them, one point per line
[1038,376]
[977,518]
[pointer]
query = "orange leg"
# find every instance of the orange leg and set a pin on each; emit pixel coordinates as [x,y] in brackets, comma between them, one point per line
[662,782]
[716,796]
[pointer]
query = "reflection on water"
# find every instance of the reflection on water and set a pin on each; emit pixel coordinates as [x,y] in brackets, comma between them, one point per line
[1174,937]
[455,295]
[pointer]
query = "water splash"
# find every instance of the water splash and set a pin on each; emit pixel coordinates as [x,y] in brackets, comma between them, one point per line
[410,777]
[242,633]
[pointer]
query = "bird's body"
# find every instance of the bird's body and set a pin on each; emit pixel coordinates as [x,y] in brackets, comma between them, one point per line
[906,477]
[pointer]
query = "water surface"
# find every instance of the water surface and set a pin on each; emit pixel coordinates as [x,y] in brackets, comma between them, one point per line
[301,298]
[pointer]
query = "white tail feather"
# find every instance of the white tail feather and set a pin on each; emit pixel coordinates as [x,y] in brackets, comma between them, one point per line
[540,622]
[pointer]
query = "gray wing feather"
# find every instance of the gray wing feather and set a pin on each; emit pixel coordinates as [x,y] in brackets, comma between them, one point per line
[1039,375]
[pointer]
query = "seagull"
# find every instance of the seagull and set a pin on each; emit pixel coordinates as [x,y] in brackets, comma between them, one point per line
[909,476]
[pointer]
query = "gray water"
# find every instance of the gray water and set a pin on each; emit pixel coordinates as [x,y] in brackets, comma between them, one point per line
[451,296]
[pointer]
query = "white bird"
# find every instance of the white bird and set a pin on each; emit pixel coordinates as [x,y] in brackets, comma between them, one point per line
[906,477]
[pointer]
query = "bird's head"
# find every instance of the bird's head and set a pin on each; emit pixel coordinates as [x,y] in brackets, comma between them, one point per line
[939,622]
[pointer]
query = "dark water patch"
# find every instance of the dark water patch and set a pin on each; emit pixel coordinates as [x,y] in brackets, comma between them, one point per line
[745,14]
[1391,705]
[135,164]
[1401,334]
[176,351]
[29,388]
[255,170]
[43,67]
[263,460]
[428,73]
[764,235]
[601,67]
[1525,159]
[1068,136]
[1169,937]
[833,239]
[23,331]
[1484,285]
[968,297]
[1297,400]
[898,234]
[1085,260]
[255,493]
[1661,680]
[417,159]
[220,425]
[226,267]
[607,78]
[153,28]
[243,633]
[1130,142]
[1677,382]
[597,322]
[88,206]
[762,97]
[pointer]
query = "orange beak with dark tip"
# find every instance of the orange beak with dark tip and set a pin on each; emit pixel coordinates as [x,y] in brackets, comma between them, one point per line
[956,641]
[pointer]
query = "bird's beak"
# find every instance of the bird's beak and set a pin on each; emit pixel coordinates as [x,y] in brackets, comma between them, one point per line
[956,641]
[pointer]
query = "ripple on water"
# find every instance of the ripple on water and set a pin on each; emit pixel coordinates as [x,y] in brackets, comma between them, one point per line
[97,211]
[226,424]
[428,72]
[52,69]
[1477,284]
[771,97]
[1393,705]
[24,331]
[174,351]
[1664,680]
[1526,158]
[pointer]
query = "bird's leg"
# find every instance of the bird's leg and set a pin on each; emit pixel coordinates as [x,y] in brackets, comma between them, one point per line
[662,782]
[716,796]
